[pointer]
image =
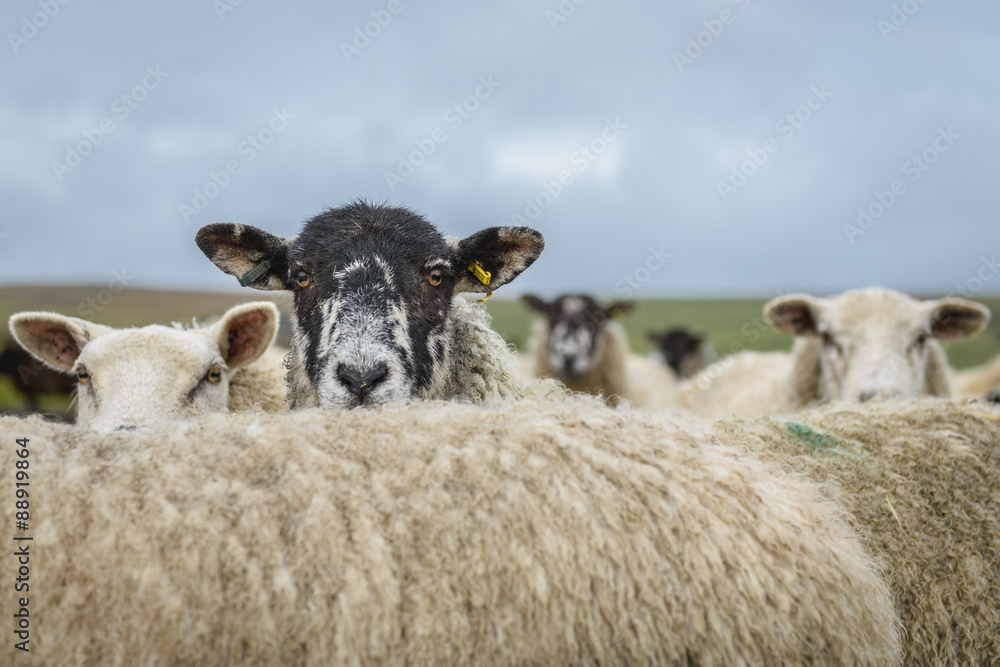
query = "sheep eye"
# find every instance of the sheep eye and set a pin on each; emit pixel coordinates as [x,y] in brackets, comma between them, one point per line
[920,339]
[83,377]
[435,277]
[827,338]
[214,375]
[302,278]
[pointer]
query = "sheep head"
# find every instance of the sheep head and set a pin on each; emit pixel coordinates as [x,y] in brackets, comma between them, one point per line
[576,331]
[872,343]
[373,287]
[129,379]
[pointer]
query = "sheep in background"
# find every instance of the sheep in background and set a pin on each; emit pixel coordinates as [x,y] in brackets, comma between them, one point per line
[980,381]
[686,352]
[856,346]
[919,479]
[32,378]
[546,533]
[134,378]
[581,345]
[377,316]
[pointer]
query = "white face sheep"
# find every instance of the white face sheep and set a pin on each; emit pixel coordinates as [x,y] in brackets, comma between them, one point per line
[872,343]
[373,288]
[133,378]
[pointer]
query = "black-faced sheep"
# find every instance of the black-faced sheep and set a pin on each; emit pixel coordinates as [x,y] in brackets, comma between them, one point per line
[686,353]
[580,344]
[920,480]
[133,378]
[377,317]
[545,533]
[859,345]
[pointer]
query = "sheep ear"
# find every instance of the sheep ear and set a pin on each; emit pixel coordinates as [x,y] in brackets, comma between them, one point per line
[953,318]
[53,339]
[495,256]
[256,258]
[245,331]
[795,314]
[536,303]
[620,308]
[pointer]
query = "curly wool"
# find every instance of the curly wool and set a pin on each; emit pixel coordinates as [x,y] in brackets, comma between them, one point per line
[920,479]
[260,385]
[481,366]
[546,533]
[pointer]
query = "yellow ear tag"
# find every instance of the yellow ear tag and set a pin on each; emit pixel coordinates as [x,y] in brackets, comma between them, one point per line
[479,272]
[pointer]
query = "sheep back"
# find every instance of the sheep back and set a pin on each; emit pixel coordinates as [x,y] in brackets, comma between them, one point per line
[548,533]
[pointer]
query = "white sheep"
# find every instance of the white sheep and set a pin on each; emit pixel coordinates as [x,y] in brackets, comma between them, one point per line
[856,346]
[377,313]
[581,345]
[919,479]
[980,381]
[133,378]
[546,533]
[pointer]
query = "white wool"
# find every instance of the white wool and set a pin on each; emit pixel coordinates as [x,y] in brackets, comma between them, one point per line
[978,382]
[437,533]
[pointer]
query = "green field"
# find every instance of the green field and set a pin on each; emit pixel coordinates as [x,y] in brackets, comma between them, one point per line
[727,322]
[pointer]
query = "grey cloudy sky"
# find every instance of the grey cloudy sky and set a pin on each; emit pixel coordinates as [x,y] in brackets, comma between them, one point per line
[739,137]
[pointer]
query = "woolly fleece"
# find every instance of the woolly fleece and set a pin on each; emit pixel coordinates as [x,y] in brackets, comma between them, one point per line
[921,479]
[549,533]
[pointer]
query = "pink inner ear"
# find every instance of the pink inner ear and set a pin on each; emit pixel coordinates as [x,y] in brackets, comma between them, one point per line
[244,337]
[54,342]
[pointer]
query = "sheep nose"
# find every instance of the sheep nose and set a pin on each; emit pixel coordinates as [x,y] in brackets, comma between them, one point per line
[358,382]
[866,396]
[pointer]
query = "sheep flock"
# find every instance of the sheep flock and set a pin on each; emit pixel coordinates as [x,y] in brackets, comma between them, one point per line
[401,486]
